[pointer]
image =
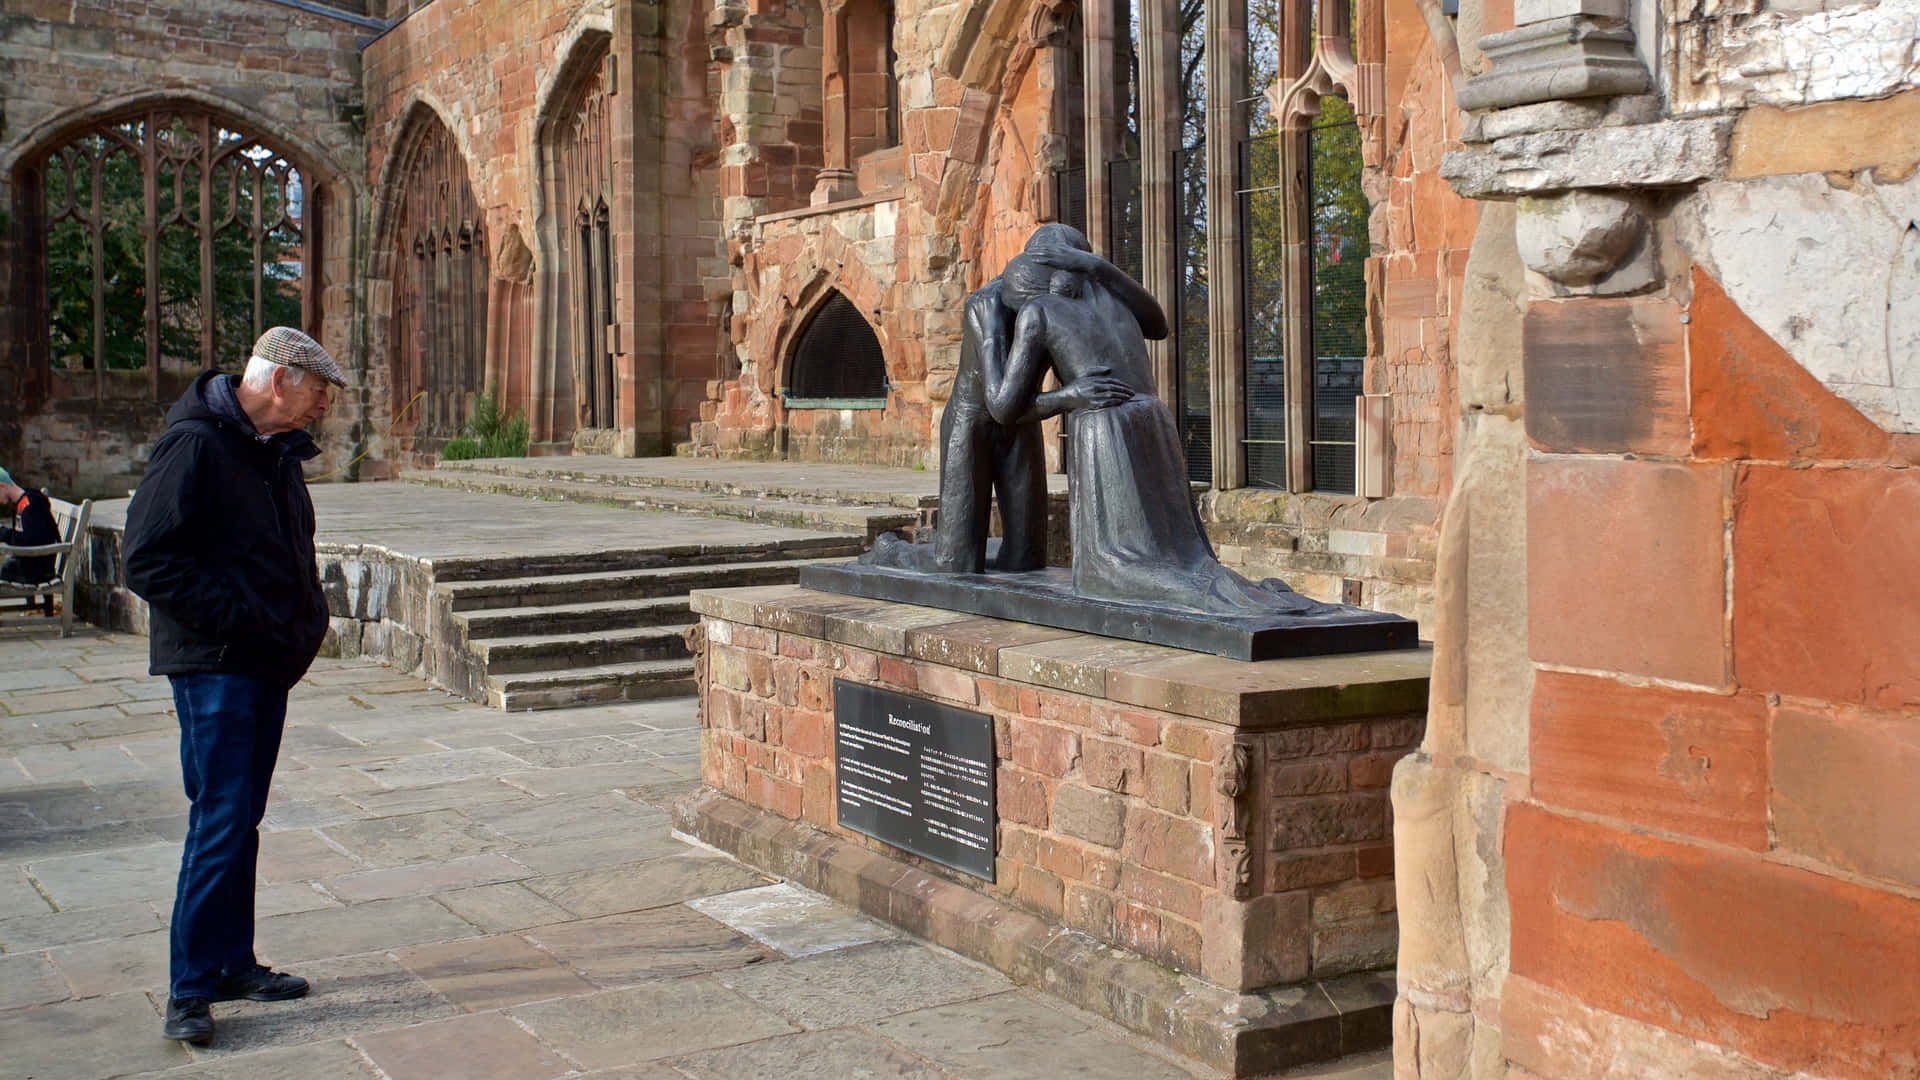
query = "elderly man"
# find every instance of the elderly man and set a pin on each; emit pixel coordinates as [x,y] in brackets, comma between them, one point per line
[220,544]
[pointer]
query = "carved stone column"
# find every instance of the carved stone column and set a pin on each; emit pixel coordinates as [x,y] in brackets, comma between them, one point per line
[836,181]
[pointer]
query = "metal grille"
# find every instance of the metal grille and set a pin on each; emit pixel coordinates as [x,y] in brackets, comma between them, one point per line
[440,282]
[1263,209]
[174,239]
[1070,196]
[1338,214]
[1191,344]
[584,187]
[838,356]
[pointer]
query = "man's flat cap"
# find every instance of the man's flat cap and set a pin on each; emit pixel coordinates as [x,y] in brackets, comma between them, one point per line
[288,347]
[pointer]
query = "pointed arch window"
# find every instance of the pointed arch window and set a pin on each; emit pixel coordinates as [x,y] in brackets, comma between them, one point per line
[837,361]
[580,164]
[171,238]
[440,282]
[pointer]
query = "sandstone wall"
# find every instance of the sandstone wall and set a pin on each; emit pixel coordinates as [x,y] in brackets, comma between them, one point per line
[293,76]
[1671,724]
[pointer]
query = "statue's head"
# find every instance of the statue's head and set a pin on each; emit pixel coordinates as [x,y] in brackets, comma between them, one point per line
[1027,277]
[1057,236]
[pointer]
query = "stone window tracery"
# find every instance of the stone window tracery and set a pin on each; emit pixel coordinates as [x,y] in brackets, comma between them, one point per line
[860,100]
[580,165]
[439,322]
[169,240]
[1228,181]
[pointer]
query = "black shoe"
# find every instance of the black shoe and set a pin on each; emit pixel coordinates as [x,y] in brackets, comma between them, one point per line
[189,1020]
[260,984]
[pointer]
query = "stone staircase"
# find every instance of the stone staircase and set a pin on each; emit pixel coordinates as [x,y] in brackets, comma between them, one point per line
[523,636]
[552,632]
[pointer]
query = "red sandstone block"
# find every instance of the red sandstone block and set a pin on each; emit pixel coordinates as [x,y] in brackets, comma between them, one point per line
[1327,820]
[1114,766]
[1166,783]
[1790,968]
[1626,567]
[1809,548]
[1306,778]
[1001,697]
[1405,731]
[1160,892]
[1136,727]
[1188,740]
[1684,762]
[1021,797]
[1606,376]
[805,732]
[1102,868]
[1843,789]
[1373,770]
[900,673]
[1062,857]
[1173,845]
[1752,400]
[1045,749]
[1065,709]
[754,637]
[1180,945]
[757,755]
[857,664]
[1137,928]
[1286,873]
[1375,861]
[1041,891]
[945,682]
[817,797]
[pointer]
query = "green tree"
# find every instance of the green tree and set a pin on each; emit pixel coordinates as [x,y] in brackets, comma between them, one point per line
[244,178]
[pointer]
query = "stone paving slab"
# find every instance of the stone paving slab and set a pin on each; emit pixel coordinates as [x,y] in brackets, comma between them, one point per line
[471,894]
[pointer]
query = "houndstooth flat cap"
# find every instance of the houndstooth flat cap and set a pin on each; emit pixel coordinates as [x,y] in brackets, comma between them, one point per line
[288,347]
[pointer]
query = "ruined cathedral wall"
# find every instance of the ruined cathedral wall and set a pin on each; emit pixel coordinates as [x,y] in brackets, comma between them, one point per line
[497,73]
[1661,823]
[290,75]
[903,248]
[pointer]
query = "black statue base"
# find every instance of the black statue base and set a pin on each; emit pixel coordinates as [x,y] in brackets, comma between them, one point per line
[1046,598]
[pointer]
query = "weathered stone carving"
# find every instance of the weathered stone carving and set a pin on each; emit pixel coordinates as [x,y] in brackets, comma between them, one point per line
[1593,241]
[1233,776]
[1574,56]
[696,638]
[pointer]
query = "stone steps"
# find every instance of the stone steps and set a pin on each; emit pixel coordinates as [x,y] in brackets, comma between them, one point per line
[640,681]
[781,506]
[571,652]
[573,618]
[611,586]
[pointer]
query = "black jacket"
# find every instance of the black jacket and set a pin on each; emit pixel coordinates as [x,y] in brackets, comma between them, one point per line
[33,525]
[220,544]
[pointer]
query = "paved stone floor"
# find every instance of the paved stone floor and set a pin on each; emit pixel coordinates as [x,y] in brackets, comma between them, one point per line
[473,894]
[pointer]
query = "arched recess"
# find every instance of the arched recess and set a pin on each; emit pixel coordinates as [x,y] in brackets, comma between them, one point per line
[578,281]
[835,356]
[154,236]
[433,251]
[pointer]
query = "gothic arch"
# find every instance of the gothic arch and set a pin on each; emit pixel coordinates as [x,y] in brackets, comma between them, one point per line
[575,192]
[326,195]
[428,275]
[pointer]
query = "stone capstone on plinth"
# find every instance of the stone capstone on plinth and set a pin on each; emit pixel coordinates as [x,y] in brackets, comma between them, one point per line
[1195,847]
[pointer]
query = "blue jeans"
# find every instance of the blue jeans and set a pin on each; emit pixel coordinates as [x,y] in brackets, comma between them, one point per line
[229,737]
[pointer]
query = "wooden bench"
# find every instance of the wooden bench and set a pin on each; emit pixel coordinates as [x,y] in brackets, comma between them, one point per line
[68,561]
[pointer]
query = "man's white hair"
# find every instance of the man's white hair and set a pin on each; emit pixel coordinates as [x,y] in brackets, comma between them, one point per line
[259,374]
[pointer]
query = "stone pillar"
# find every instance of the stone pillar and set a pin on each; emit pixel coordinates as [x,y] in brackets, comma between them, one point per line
[836,180]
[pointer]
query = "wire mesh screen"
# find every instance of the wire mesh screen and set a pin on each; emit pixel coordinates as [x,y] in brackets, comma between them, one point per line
[1263,208]
[1123,216]
[1190,318]
[838,356]
[1338,212]
[1070,197]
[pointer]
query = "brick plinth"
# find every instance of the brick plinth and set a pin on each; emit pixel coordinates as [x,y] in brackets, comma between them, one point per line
[1215,818]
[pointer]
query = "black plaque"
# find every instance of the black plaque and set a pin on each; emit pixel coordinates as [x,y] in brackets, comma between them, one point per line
[915,774]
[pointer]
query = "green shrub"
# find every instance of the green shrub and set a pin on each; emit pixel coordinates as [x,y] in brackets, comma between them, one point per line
[490,433]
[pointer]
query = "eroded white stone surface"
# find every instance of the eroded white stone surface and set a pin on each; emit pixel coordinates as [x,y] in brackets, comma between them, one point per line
[1725,57]
[1831,270]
